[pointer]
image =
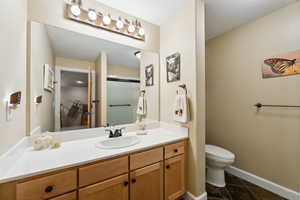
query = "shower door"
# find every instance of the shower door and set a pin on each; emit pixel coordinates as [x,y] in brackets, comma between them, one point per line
[122,98]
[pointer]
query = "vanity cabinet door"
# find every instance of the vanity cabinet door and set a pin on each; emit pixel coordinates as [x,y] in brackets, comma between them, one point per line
[174,177]
[69,196]
[48,186]
[112,189]
[147,183]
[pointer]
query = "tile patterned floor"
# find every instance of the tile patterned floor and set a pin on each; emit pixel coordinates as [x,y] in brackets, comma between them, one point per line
[238,189]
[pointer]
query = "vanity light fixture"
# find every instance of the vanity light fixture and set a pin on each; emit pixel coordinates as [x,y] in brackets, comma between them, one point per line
[12,103]
[75,10]
[92,15]
[131,28]
[106,20]
[120,24]
[141,32]
[138,54]
[38,99]
[79,82]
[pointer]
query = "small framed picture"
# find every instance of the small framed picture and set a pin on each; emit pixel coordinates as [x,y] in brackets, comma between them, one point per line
[48,78]
[173,67]
[149,72]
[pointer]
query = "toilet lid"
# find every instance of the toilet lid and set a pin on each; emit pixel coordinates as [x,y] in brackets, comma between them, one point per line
[218,152]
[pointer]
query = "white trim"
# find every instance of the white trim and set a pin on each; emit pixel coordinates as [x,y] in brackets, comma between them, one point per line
[58,70]
[266,184]
[190,196]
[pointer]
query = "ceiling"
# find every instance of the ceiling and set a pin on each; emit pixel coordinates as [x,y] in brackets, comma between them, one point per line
[221,15]
[224,15]
[154,11]
[69,44]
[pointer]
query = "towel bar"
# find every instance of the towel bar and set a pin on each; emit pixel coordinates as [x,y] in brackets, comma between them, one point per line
[259,105]
[120,105]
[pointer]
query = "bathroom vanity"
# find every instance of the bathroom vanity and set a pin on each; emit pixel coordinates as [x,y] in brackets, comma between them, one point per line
[154,169]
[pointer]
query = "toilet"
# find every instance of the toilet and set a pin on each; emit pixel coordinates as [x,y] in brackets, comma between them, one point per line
[217,159]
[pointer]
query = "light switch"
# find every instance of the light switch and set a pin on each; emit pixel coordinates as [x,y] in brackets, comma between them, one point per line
[9,111]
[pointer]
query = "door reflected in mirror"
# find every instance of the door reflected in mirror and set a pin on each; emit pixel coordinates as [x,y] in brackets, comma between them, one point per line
[97,83]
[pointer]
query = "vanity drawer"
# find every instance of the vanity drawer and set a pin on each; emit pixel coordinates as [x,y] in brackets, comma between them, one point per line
[145,158]
[48,186]
[69,196]
[104,170]
[175,149]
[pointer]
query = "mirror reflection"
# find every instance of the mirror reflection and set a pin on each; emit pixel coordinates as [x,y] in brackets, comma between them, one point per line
[81,82]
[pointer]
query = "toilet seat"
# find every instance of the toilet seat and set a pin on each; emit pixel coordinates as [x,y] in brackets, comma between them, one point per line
[219,153]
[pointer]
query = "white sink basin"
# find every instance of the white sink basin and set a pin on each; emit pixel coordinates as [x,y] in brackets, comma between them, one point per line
[118,143]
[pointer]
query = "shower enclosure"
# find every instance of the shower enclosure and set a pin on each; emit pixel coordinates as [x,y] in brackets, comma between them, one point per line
[122,99]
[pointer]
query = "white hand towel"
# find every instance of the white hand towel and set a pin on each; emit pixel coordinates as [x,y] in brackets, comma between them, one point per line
[181,107]
[142,106]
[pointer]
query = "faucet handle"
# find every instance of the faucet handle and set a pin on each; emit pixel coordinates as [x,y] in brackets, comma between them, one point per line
[122,129]
[119,132]
[109,132]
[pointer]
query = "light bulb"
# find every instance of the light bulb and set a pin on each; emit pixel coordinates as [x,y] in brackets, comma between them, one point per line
[75,10]
[120,24]
[141,32]
[92,15]
[131,28]
[106,20]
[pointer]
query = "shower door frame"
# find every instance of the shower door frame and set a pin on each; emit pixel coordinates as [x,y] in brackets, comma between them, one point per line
[58,70]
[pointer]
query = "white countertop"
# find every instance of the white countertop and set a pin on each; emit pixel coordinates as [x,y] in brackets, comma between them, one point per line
[79,151]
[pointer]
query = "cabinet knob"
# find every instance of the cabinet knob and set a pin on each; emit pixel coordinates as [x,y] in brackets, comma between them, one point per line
[175,150]
[168,166]
[126,183]
[133,180]
[49,189]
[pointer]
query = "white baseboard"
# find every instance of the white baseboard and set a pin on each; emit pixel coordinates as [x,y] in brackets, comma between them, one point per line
[190,196]
[266,184]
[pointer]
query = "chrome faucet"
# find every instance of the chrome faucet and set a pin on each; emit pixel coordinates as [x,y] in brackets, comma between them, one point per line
[114,133]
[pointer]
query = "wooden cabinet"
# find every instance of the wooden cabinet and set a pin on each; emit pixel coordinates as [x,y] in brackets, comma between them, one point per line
[152,174]
[98,172]
[175,149]
[112,189]
[174,177]
[69,196]
[147,183]
[144,158]
[48,186]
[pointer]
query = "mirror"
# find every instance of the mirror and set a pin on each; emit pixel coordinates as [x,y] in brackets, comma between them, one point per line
[78,81]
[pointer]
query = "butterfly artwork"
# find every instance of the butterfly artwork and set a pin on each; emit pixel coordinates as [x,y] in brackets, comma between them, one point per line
[282,65]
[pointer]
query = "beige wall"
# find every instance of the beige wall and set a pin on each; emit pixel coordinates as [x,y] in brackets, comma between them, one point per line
[152,92]
[41,53]
[123,71]
[13,69]
[74,63]
[265,143]
[53,14]
[179,35]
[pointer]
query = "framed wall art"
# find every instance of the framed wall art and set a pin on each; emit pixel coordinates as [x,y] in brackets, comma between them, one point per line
[281,65]
[149,72]
[173,67]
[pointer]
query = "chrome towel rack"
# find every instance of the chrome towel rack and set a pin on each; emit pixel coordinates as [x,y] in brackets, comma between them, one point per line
[183,86]
[259,105]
